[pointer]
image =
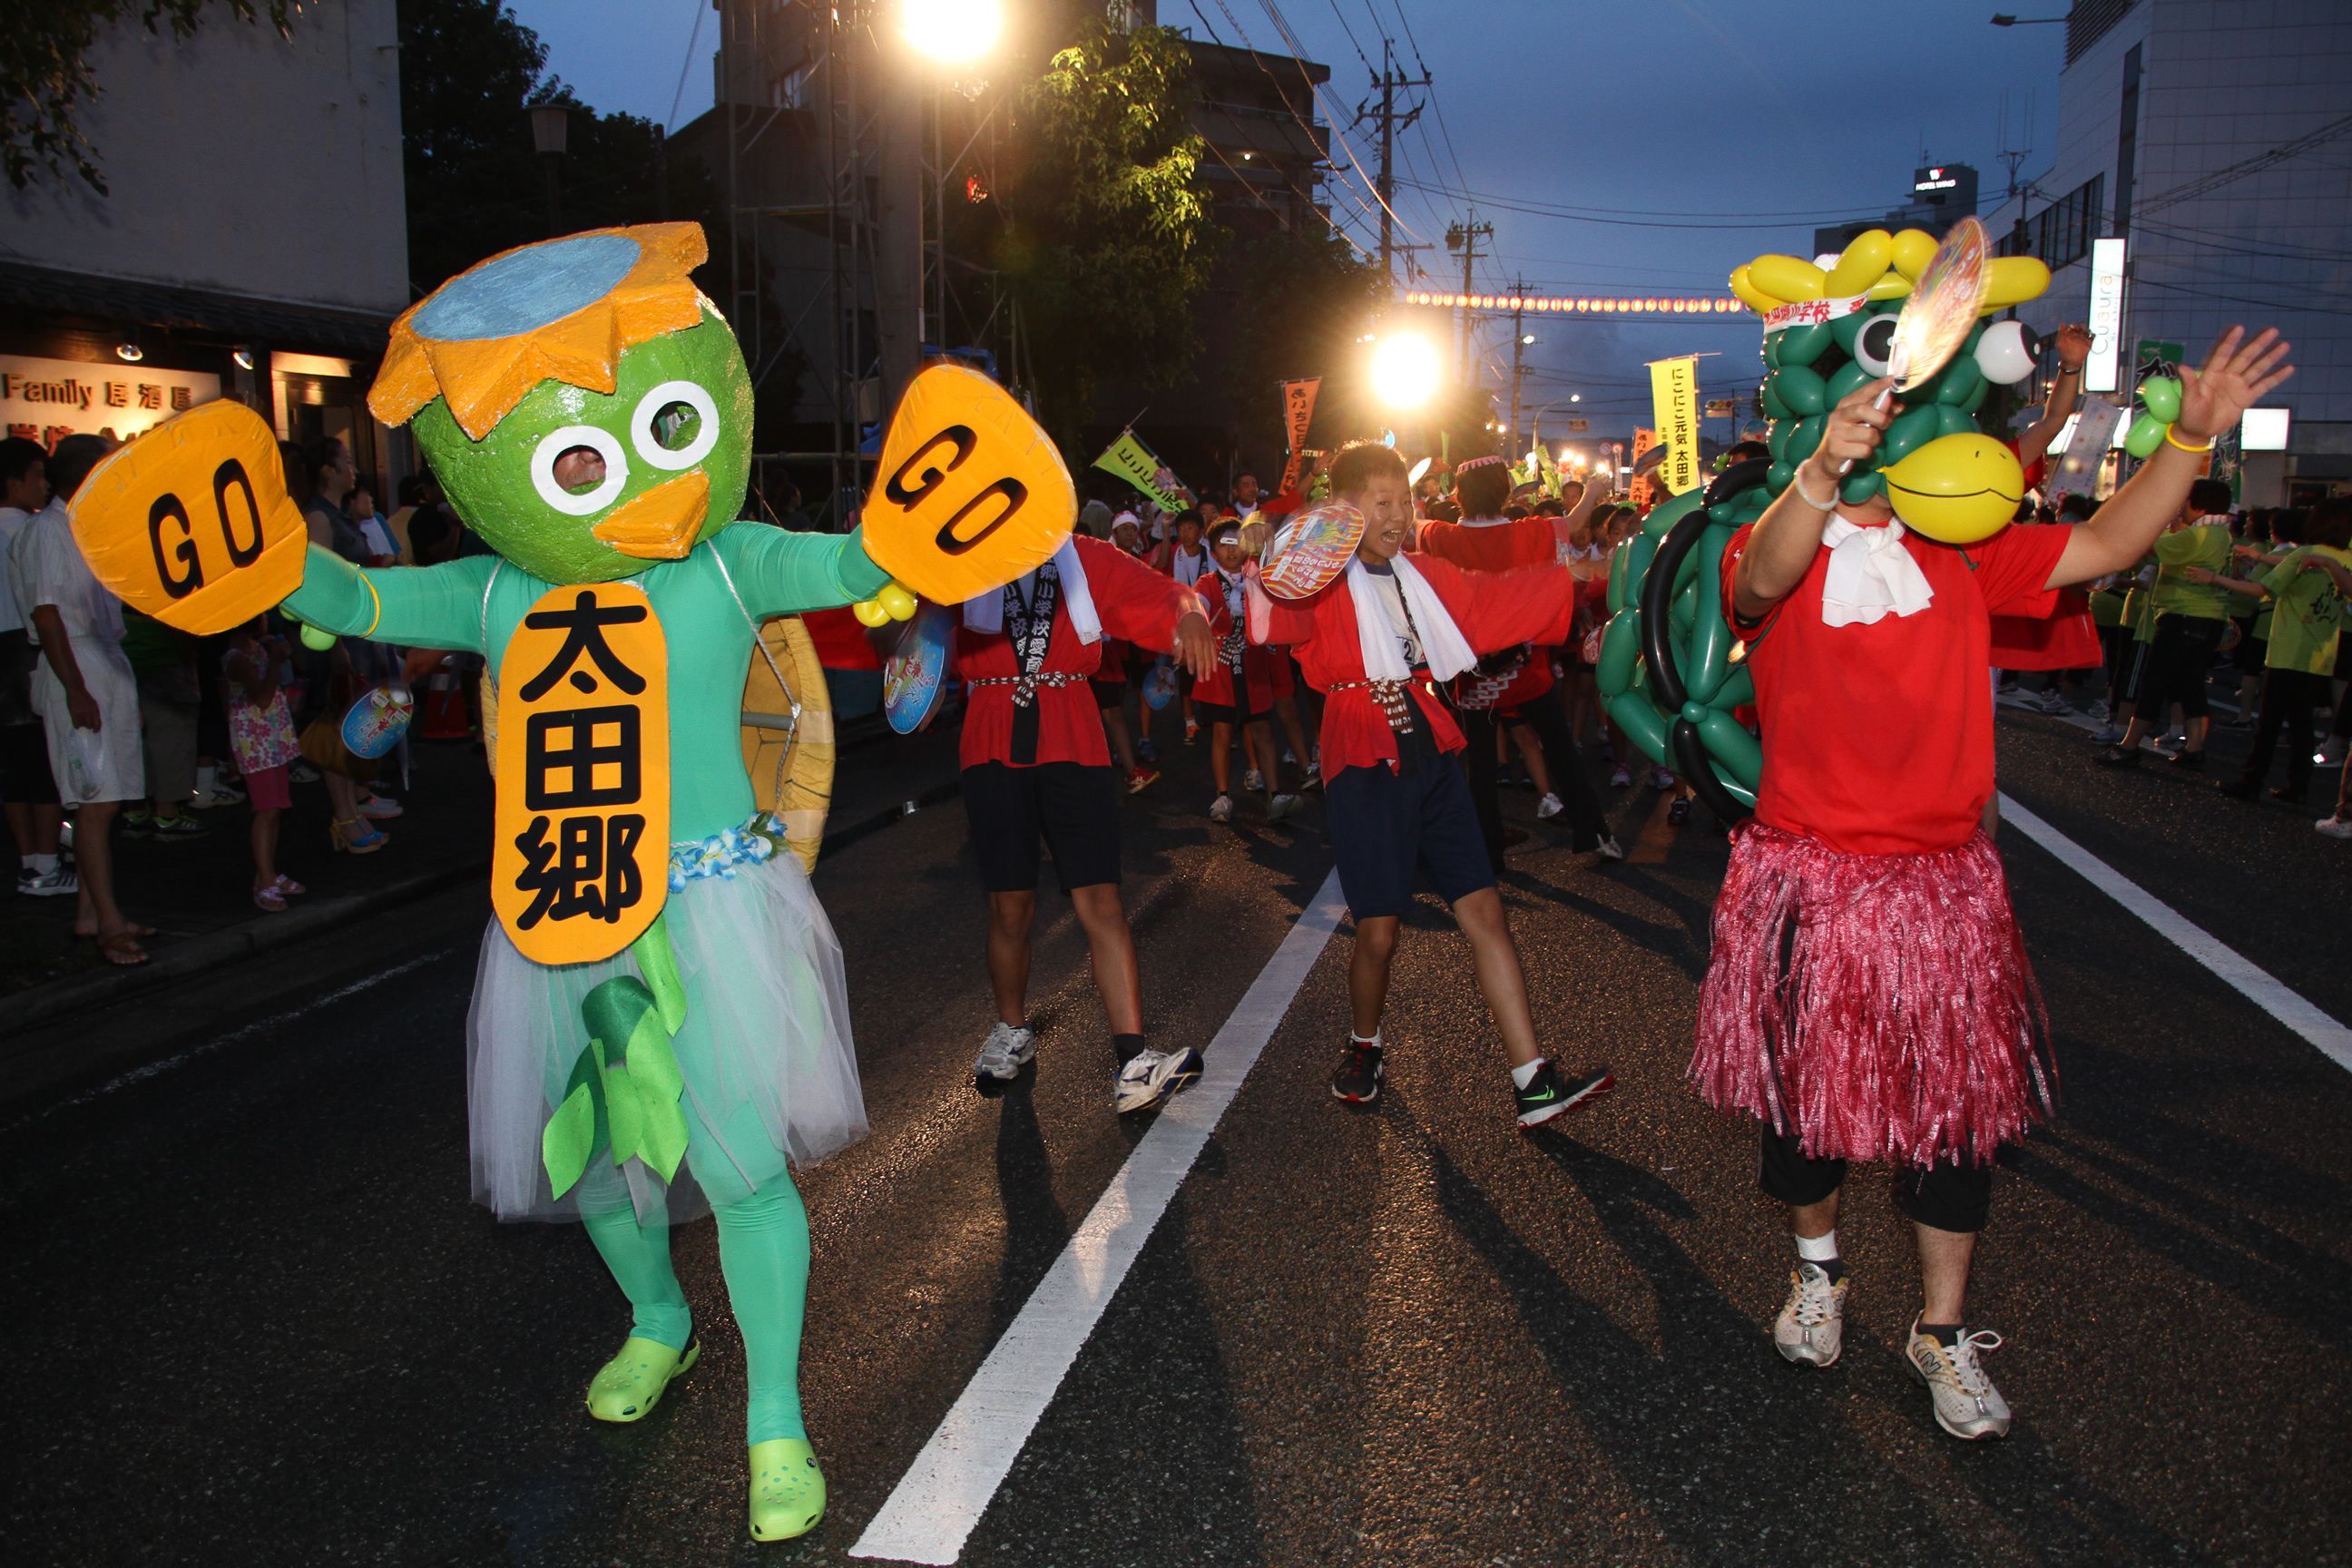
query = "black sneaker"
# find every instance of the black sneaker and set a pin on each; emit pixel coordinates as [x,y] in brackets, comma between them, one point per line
[1358,1082]
[1679,813]
[1546,1097]
[2116,757]
[2188,761]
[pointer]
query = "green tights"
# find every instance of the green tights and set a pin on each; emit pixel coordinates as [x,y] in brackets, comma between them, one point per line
[763,1250]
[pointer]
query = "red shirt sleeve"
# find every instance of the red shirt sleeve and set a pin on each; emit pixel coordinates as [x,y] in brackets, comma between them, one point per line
[1502,609]
[1134,602]
[1285,622]
[1731,554]
[2013,567]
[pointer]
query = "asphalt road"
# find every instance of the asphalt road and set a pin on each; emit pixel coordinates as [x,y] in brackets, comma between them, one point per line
[253,1317]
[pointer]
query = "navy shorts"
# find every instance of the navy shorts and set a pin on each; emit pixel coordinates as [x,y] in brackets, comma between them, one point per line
[1383,824]
[1073,804]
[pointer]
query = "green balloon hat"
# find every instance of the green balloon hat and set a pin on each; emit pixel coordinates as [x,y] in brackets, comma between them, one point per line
[1671,670]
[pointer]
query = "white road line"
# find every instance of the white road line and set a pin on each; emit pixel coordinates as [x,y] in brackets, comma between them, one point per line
[932,1511]
[2259,986]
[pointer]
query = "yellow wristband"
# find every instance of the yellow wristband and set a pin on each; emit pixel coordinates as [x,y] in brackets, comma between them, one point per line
[377,598]
[2175,441]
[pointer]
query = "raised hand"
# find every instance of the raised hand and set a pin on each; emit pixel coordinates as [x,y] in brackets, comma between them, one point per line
[2236,374]
[1855,427]
[2073,344]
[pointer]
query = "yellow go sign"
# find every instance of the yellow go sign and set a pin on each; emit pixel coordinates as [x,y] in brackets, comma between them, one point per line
[971,494]
[191,523]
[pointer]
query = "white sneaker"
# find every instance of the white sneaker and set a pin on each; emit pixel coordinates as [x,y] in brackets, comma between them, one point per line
[1811,1328]
[382,808]
[2334,826]
[2330,753]
[2053,702]
[1619,777]
[62,882]
[1280,806]
[1966,1403]
[1609,849]
[1151,1076]
[1254,781]
[218,796]
[1004,1053]
[301,771]
[1221,809]
[1549,807]
[2107,735]
[2100,711]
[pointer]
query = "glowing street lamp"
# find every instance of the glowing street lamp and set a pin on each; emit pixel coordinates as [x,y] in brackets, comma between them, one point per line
[952,32]
[1405,371]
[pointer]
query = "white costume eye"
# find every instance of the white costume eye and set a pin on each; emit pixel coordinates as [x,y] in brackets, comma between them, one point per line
[2008,352]
[676,425]
[1875,343]
[554,444]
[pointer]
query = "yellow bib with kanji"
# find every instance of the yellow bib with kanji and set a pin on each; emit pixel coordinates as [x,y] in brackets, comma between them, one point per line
[582,863]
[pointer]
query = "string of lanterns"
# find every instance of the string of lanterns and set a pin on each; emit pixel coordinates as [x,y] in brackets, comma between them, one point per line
[1580,305]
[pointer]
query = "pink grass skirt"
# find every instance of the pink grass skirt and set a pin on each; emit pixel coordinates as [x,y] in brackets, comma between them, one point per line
[1879,1007]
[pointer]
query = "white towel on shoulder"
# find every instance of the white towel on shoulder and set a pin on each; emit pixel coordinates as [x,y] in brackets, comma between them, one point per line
[1871,575]
[984,613]
[1442,644]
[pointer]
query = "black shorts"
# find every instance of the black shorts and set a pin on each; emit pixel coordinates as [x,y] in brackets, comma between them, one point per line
[2178,662]
[25,777]
[1384,825]
[1075,807]
[1954,1197]
[1237,711]
[1108,693]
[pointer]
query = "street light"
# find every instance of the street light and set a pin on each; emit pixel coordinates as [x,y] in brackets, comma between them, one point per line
[1405,371]
[952,32]
[550,134]
[1527,339]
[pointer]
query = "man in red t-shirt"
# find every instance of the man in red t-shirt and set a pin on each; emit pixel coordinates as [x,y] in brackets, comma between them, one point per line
[1035,764]
[1867,996]
[1395,800]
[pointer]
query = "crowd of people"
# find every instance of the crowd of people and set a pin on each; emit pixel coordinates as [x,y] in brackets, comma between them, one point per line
[115,726]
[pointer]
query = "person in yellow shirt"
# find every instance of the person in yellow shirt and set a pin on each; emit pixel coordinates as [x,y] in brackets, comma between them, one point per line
[2306,592]
[2190,616]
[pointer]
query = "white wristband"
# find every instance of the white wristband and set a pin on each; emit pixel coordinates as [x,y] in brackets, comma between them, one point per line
[1797,484]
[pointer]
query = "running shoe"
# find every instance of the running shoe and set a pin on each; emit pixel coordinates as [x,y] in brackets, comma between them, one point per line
[177,829]
[1141,779]
[137,824]
[2330,753]
[1314,779]
[219,794]
[1289,758]
[1621,777]
[1253,781]
[2053,702]
[1966,1403]
[2100,711]
[381,807]
[1811,1329]
[1546,1097]
[1145,751]
[2115,757]
[1150,1076]
[1606,846]
[61,883]
[2107,735]
[1280,806]
[1549,807]
[2334,826]
[1679,813]
[1221,809]
[1358,1082]
[1003,1054]
[301,771]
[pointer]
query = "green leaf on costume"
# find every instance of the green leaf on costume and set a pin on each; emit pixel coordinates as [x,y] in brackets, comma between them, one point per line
[569,1139]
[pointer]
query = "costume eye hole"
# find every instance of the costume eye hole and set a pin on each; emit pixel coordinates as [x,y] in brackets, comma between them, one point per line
[571,453]
[674,426]
[1874,344]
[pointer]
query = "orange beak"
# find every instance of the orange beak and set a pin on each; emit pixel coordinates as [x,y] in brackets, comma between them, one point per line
[662,523]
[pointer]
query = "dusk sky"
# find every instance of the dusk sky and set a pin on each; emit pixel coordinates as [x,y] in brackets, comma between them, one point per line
[1663,152]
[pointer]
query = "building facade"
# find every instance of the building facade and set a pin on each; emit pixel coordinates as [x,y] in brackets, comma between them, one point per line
[2213,141]
[252,242]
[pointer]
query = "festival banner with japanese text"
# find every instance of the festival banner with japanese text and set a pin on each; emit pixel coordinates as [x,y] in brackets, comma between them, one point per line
[1297,416]
[1674,397]
[1642,490]
[1136,463]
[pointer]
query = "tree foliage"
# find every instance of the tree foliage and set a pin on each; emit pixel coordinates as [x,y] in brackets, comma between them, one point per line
[1106,236]
[44,75]
[1306,303]
[468,71]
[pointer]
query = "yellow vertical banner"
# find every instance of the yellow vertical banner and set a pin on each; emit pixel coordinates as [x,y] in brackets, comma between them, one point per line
[1673,398]
[1641,489]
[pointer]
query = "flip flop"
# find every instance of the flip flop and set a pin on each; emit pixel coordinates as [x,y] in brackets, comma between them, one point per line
[122,948]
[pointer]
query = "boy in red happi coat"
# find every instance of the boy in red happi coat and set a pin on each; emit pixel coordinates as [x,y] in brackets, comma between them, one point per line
[1034,763]
[1396,799]
[1238,694]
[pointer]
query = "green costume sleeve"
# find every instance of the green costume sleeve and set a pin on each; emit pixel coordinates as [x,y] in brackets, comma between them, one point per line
[782,574]
[421,607]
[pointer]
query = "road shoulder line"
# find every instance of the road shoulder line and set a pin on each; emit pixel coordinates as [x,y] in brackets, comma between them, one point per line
[933,1509]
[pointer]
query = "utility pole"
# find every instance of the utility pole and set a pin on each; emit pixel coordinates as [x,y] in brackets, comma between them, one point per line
[1391,121]
[1465,237]
[1518,354]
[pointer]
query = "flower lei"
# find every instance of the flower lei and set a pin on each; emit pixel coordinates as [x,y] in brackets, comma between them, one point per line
[752,844]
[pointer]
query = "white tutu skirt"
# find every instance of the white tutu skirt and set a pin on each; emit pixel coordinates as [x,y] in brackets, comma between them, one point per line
[770,1074]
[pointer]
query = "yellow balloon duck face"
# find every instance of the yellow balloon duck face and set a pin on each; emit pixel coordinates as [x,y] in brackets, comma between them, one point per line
[586,410]
[1829,328]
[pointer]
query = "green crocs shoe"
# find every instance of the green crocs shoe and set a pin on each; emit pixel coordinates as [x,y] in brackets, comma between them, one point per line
[628,1387]
[787,1488]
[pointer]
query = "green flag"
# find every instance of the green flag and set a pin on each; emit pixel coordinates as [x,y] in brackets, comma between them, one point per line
[1136,463]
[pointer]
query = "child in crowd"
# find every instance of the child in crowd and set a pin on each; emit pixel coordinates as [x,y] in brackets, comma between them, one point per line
[261,737]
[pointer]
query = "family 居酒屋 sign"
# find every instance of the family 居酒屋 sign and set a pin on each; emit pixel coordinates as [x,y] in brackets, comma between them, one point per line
[44,400]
